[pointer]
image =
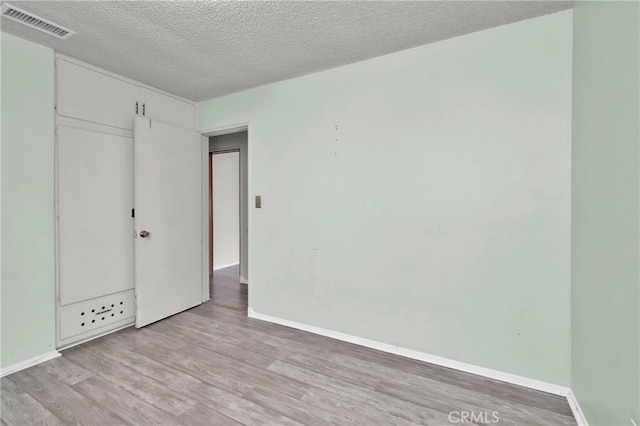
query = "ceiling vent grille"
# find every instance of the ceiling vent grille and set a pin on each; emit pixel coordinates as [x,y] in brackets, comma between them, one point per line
[36,22]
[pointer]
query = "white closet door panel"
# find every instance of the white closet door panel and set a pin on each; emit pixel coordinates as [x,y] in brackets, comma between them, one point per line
[88,318]
[158,106]
[89,95]
[95,198]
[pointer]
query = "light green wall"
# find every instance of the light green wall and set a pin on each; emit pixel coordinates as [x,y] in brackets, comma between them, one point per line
[28,284]
[605,205]
[422,198]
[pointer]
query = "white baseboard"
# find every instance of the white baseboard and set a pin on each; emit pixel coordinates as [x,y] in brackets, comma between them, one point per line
[29,363]
[576,410]
[420,356]
[243,280]
[226,266]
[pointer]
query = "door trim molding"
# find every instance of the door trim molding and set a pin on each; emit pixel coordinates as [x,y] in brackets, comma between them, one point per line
[29,363]
[206,205]
[225,130]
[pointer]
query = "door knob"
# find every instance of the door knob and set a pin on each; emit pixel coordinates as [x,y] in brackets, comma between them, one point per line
[144,234]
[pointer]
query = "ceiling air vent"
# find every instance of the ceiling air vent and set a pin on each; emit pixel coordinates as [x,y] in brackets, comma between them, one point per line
[36,22]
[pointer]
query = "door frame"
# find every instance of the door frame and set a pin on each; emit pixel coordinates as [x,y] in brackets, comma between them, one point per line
[206,134]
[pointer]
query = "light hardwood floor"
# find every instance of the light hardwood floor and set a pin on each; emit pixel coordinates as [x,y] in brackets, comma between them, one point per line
[212,365]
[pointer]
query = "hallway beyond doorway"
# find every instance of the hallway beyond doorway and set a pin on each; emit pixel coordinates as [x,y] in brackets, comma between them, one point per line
[226,290]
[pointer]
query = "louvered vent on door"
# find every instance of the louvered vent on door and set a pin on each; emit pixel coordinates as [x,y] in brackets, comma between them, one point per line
[36,22]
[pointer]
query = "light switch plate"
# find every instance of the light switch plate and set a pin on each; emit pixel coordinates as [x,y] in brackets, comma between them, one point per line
[258,202]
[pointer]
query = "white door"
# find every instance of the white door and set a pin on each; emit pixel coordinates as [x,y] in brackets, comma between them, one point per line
[168,239]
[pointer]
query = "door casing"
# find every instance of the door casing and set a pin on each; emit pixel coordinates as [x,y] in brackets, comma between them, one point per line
[218,131]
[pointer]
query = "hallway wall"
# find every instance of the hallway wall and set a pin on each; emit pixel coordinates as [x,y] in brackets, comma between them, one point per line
[226,209]
[240,141]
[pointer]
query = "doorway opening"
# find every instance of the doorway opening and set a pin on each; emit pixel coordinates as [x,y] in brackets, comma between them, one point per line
[228,217]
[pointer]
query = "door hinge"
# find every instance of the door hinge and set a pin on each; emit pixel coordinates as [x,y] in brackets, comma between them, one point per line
[144,108]
[133,212]
[136,107]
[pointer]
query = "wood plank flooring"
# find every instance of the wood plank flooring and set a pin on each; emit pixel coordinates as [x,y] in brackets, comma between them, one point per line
[226,290]
[212,365]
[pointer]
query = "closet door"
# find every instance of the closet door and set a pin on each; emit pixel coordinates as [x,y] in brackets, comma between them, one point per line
[170,110]
[93,96]
[95,227]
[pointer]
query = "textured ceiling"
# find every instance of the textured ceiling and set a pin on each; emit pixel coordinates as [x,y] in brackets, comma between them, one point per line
[201,50]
